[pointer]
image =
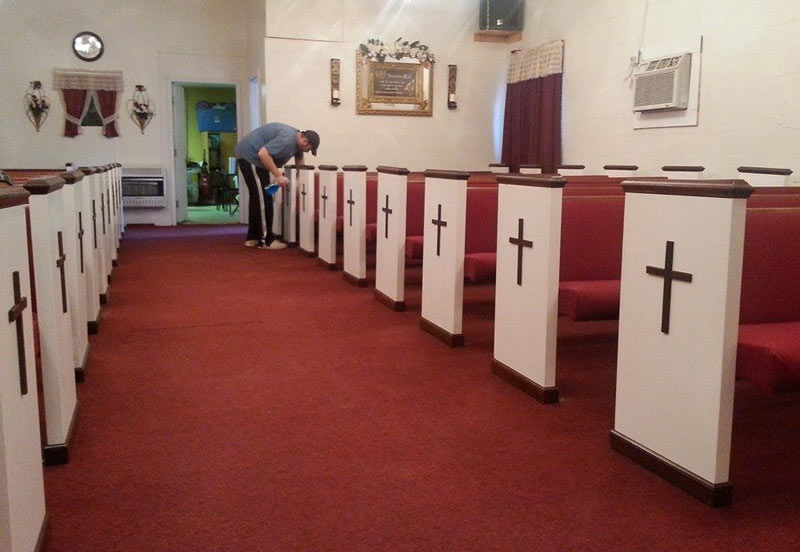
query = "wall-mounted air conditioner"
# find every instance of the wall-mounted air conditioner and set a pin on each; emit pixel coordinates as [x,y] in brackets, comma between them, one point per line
[663,83]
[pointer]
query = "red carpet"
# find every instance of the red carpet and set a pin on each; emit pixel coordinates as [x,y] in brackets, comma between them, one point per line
[251,400]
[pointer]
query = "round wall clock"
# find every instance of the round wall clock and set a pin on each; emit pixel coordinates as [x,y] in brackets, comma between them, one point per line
[87,46]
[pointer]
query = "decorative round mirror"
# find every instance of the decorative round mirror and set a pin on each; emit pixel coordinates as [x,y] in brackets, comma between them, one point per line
[87,46]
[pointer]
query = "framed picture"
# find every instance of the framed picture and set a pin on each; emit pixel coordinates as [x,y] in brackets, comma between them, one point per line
[401,87]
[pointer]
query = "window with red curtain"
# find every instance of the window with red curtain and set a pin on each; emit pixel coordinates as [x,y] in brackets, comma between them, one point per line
[532,122]
[81,88]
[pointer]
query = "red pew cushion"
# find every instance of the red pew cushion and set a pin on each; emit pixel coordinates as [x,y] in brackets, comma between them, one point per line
[769,356]
[589,299]
[480,267]
[414,245]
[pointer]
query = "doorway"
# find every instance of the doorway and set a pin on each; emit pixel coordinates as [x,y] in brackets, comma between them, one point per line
[210,136]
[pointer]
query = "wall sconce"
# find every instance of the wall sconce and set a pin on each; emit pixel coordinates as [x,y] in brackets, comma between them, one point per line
[335,100]
[37,105]
[451,87]
[141,108]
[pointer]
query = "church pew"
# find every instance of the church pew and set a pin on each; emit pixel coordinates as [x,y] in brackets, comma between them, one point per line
[354,262]
[328,198]
[766,176]
[50,266]
[773,200]
[99,226]
[769,332]
[679,312]
[23,523]
[391,237]
[75,246]
[305,209]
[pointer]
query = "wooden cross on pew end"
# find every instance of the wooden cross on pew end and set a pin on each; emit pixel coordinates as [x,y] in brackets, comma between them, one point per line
[669,275]
[15,315]
[388,212]
[520,243]
[439,223]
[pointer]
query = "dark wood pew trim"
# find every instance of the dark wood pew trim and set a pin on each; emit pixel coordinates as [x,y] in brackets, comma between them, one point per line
[43,186]
[44,534]
[392,170]
[298,167]
[356,168]
[328,168]
[384,299]
[576,167]
[93,326]
[535,180]
[765,170]
[719,494]
[735,189]
[450,175]
[89,170]
[683,168]
[545,395]
[326,264]
[56,455]
[449,339]
[621,167]
[80,371]
[530,166]
[360,282]
[11,196]
[500,165]
[71,177]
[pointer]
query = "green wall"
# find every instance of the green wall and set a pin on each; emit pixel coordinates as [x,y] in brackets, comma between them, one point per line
[197,142]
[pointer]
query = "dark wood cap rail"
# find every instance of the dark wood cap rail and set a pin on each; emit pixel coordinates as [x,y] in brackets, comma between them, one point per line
[328,168]
[539,181]
[71,177]
[530,166]
[498,165]
[11,196]
[88,170]
[572,166]
[621,167]
[42,186]
[450,175]
[683,168]
[359,168]
[305,167]
[392,170]
[765,170]
[735,189]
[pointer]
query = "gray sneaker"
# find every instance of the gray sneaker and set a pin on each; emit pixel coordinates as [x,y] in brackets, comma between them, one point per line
[275,244]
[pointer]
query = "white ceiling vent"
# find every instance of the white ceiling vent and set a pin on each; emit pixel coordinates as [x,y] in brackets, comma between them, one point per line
[663,83]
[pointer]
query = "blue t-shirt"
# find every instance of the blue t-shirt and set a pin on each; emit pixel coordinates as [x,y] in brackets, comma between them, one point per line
[279,139]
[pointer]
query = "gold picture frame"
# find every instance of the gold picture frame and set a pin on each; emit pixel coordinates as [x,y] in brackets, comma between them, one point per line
[401,87]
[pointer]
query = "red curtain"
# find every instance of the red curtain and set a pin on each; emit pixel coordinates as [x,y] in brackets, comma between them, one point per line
[74,100]
[532,126]
[108,107]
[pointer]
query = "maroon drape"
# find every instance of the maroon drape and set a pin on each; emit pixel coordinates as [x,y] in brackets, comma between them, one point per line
[74,101]
[532,125]
[107,108]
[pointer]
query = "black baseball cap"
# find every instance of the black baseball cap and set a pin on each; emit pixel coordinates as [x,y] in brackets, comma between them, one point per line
[313,139]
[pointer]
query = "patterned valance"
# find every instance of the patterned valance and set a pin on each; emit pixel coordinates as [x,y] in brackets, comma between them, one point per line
[76,79]
[533,63]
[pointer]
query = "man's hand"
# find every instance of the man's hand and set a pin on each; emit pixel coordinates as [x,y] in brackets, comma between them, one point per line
[282,181]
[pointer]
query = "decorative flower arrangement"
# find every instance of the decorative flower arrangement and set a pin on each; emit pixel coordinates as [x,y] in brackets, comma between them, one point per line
[37,105]
[376,50]
[141,108]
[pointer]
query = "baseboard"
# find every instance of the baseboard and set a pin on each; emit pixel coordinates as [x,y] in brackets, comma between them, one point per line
[384,299]
[114,262]
[326,264]
[103,298]
[545,395]
[360,282]
[93,326]
[108,278]
[450,339]
[57,455]
[713,494]
[307,253]
[80,371]
[44,534]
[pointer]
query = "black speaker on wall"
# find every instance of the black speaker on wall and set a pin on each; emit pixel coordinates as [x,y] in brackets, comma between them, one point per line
[501,15]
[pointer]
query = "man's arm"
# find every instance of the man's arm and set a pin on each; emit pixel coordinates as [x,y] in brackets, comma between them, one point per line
[269,163]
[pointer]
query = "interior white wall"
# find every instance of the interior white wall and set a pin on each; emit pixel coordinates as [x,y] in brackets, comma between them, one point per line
[750,81]
[150,41]
[298,82]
